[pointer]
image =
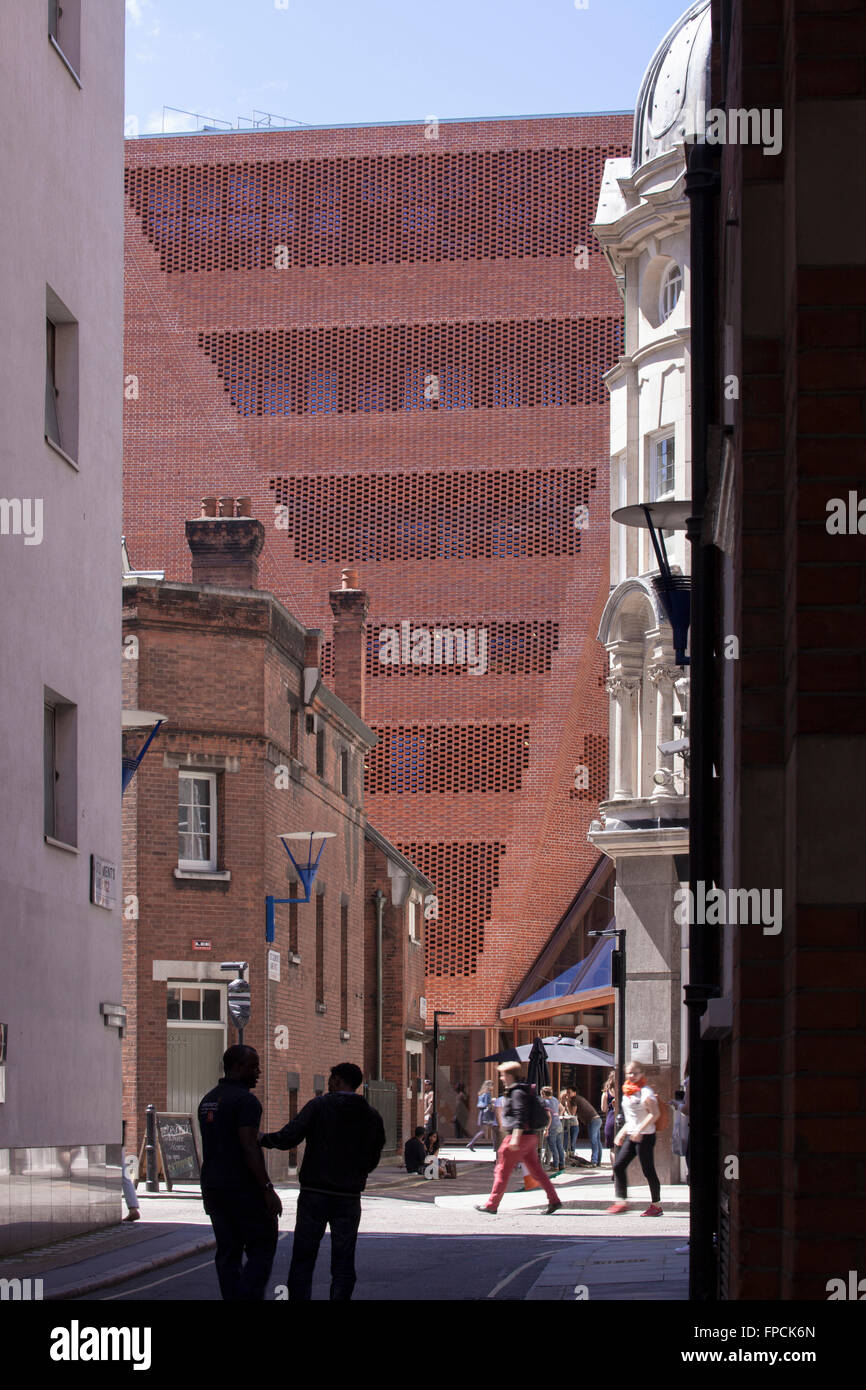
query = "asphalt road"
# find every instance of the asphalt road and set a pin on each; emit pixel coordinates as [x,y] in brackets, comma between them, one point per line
[390,1266]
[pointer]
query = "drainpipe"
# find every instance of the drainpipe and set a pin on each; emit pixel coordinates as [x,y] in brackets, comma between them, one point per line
[379,900]
[702,183]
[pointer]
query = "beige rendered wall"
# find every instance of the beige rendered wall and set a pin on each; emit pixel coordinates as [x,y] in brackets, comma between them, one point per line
[62,179]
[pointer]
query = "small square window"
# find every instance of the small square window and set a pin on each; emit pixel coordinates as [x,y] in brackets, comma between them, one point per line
[60,769]
[211,1001]
[172,1004]
[190,1004]
[61,377]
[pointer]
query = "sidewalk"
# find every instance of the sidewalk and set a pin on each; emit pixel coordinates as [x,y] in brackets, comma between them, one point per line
[174,1227]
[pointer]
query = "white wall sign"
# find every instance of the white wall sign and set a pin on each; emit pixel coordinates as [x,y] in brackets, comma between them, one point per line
[103,882]
[642,1050]
[273,965]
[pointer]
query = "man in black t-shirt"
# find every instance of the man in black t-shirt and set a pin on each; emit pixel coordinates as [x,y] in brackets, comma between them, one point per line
[238,1195]
[344,1138]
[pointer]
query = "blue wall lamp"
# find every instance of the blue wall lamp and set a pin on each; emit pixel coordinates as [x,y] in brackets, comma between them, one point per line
[139,719]
[306,872]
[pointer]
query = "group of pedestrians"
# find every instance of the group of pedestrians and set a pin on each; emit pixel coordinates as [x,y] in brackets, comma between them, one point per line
[343,1139]
[522,1123]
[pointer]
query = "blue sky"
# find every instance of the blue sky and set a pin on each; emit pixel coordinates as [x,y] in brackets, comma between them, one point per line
[332,62]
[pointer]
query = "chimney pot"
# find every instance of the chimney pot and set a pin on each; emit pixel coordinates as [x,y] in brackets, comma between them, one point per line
[227,506]
[349,579]
[349,605]
[208,506]
[243,506]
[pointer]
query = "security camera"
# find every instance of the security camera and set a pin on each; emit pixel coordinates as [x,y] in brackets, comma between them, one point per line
[674,745]
[234,965]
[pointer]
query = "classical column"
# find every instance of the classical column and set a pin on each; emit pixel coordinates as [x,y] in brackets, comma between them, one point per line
[663,678]
[623,690]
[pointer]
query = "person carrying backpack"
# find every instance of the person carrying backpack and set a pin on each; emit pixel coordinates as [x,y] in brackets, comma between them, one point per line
[642,1112]
[522,1115]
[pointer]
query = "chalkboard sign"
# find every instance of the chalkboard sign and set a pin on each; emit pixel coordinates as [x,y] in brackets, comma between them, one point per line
[178,1151]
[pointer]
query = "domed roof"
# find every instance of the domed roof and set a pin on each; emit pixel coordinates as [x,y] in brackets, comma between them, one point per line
[677,78]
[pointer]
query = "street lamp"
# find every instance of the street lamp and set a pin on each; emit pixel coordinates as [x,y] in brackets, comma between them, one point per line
[673,590]
[306,872]
[437,1014]
[617,978]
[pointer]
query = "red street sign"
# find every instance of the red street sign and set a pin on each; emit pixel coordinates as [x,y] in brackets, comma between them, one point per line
[199,945]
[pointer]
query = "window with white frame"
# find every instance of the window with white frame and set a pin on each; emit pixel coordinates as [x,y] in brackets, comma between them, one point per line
[669,291]
[662,468]
[412,917]
[196,821]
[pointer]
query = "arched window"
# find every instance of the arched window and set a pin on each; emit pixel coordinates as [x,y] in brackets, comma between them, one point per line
[669,291]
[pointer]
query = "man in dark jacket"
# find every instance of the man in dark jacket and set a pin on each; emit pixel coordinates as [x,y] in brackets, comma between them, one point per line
[238,1195]
[414,1152]
[344,1137]
[519,1145]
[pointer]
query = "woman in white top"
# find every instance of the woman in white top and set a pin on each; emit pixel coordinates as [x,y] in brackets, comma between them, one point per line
[640,1110]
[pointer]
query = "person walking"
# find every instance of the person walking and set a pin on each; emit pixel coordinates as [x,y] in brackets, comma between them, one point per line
[520,1144]
[428,1106]
[344,1138]
[640,1109]
[589,1116]
[486,1120]
[608,1111]
[554,1132]
[237,1193]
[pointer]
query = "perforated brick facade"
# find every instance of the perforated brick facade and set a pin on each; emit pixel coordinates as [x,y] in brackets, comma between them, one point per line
[394,344]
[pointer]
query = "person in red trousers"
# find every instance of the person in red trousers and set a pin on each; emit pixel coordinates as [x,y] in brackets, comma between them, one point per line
[520,1144]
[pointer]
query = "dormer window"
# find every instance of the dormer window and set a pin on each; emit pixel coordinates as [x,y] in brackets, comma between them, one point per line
[669,291]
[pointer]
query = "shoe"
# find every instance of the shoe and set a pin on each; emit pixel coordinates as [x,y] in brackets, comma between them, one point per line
[552,1207]
[616,1208]
[491,1211]
[653,1210]
[134,1215]
[470,1148]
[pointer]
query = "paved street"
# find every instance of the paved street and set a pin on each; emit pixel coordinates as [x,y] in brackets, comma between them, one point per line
[425,1241]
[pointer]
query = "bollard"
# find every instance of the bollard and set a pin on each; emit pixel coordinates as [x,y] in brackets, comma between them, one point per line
[152,1183]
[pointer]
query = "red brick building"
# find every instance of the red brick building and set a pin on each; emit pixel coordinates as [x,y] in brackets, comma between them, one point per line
[393,339]
[394,1029]
[784,308]
[255,745]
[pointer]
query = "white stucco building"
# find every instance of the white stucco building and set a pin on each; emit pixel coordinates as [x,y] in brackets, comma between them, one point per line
[61,384]
[642,224]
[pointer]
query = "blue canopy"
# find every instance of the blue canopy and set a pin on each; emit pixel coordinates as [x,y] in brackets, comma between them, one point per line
[591,973]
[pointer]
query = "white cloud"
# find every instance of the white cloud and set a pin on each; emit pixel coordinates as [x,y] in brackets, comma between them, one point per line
[135,11]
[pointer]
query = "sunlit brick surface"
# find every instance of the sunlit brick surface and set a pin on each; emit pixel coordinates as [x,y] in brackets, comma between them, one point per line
[395,346]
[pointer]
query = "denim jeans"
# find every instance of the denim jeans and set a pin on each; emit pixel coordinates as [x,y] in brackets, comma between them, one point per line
[241,1226]
[595,1138]
[315,1211]
[644,1148]
[557,1152]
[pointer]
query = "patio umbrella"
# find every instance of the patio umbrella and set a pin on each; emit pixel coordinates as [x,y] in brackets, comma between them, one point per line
[538,1074]
[557,1049]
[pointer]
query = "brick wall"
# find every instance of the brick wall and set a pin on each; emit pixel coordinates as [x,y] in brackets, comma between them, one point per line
[405,258]
[792,1073]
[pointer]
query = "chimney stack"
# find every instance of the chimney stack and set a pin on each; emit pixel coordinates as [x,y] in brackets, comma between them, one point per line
[350,605]
[225,542]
